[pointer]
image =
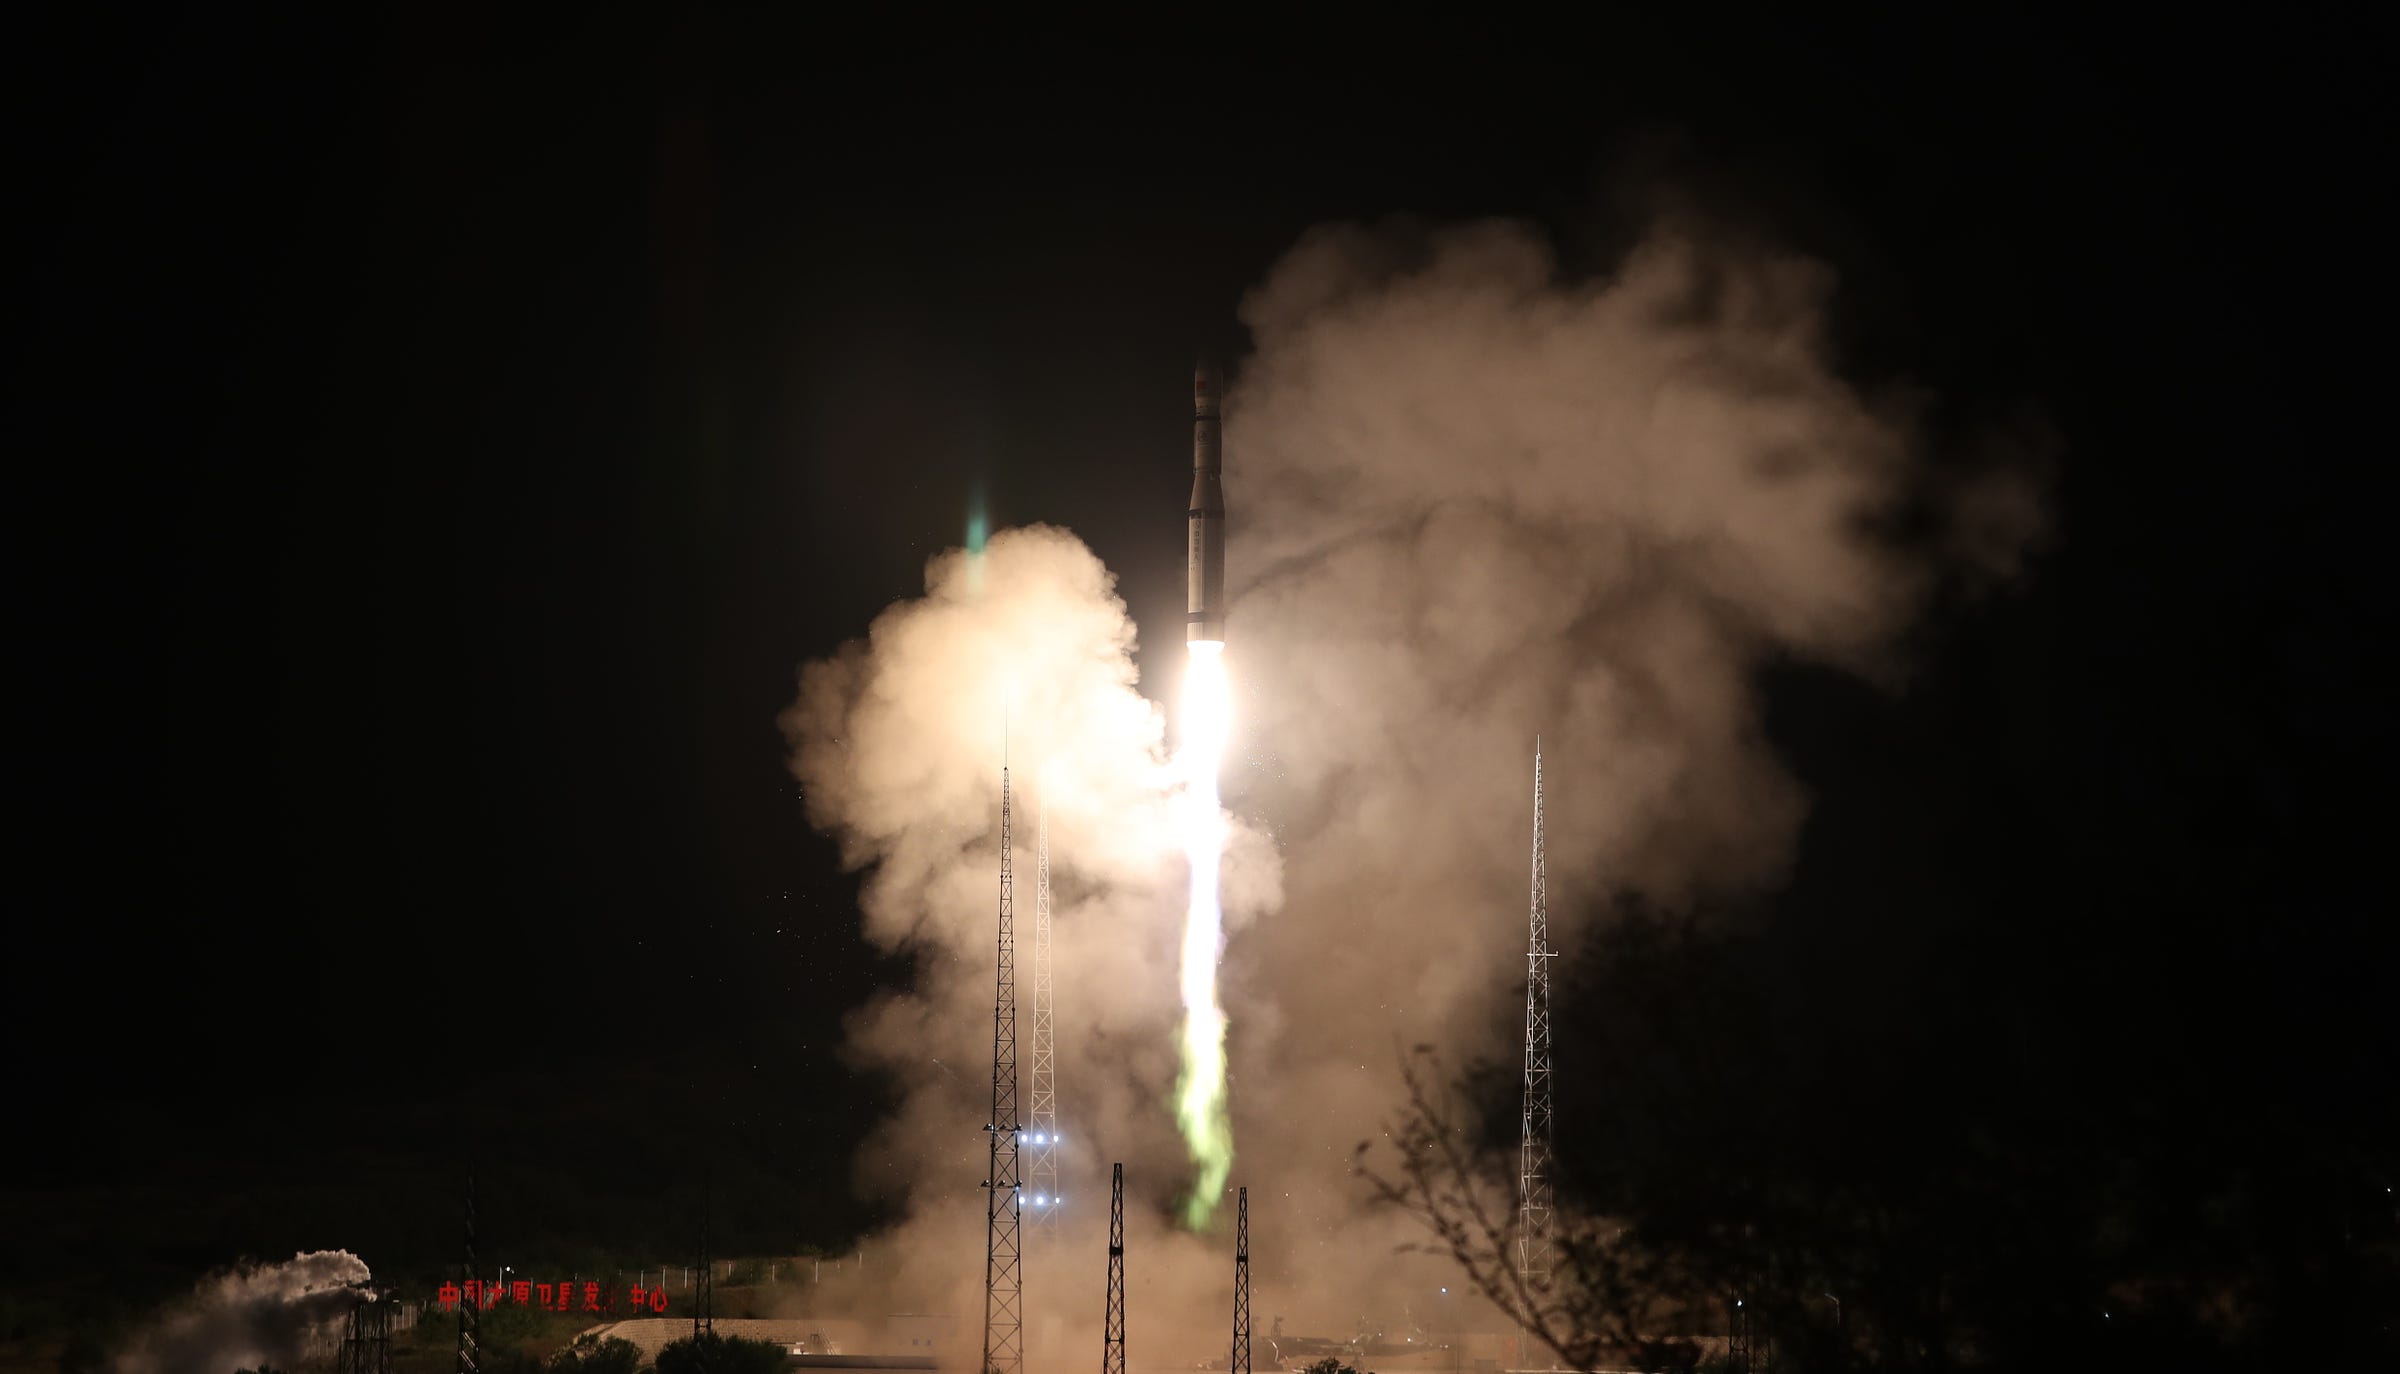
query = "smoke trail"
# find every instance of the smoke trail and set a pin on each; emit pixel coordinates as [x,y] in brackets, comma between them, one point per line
[269,1314]
[1200,1093]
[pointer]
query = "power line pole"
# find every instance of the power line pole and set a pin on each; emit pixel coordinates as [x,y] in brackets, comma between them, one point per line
[1042,1178]
[1112,1332]
[1534,1148]
[1240,1364]
[1003,1273]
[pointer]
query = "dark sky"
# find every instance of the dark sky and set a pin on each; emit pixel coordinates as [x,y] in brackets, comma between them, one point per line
[437,439]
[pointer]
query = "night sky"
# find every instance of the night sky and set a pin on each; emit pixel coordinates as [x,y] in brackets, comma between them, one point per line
[438,440]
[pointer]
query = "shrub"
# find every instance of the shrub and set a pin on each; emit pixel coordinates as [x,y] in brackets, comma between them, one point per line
[713,1354]
[590,1355]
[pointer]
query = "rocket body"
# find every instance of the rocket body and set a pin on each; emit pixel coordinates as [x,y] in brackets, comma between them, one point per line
[1204,567]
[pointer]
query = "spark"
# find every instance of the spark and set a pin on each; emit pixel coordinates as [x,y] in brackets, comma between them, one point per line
[1200,1093]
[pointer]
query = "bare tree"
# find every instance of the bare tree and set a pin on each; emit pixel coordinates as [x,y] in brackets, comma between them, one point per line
[1607,1296]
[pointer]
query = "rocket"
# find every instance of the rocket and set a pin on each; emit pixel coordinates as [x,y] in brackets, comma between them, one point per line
[1204,569]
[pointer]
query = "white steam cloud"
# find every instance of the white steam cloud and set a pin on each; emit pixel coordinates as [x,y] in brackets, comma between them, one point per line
[249,1317]
[1474,500]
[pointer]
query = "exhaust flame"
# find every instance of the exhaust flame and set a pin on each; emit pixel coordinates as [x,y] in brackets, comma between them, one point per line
[1200,1092]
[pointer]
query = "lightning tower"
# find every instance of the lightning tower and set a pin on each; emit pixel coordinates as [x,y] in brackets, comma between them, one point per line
[1042,1178]
[1112,1330]
[470,1320]
[1240,1363]
[1003,1267]
[1534,1144]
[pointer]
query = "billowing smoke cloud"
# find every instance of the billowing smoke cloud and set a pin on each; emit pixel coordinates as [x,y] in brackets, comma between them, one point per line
[899,740]
[1475,501]
[245,1318]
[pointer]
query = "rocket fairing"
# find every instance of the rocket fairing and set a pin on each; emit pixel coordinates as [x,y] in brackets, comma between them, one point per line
[1204,569]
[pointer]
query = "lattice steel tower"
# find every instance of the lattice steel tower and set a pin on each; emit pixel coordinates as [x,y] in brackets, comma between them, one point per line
[1534,1150]
[1003,1257]
[470,1318]
[1240,1364]
[367,1344]
[1112,1330]
[1041,1179]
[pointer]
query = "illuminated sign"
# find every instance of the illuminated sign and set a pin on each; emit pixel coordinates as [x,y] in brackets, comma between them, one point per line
[550,1297]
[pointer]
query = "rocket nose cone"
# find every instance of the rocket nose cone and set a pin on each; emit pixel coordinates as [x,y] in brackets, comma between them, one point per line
[1204,382]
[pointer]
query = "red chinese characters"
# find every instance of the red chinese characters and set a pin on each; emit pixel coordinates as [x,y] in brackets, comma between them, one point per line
[549,1297]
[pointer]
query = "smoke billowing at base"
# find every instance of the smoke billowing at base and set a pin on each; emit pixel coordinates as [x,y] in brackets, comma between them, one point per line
[1482,500]
[252,1317]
